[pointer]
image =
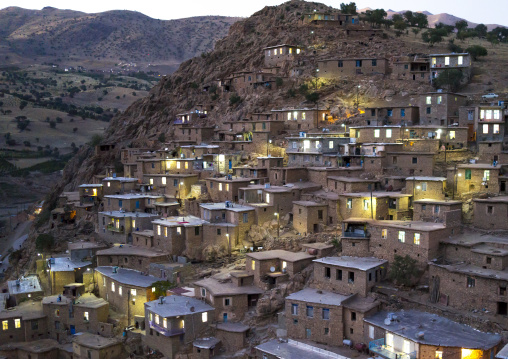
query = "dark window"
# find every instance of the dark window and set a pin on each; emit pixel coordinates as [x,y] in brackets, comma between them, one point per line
[502,291]
[406,67]
[502,308]
[470,282]
[353,316]
[374,62]
[338,274]
[358,63]
[428,110]
[320,214]
[402,112]
[310,311]
[327,272]
[468,174]
[389,112]
[219,231]
[196,231]
[327,331]
[351,277]
[341,64]
[490,209]
[175,183]
[326,313]
[489,260]
[415,160]
[373,112]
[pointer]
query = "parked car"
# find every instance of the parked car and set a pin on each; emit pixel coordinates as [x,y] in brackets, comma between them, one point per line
[490,95]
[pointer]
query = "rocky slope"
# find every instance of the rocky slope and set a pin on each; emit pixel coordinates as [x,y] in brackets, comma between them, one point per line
[105,39]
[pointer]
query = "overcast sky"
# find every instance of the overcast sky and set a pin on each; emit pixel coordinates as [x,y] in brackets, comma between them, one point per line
[486,11]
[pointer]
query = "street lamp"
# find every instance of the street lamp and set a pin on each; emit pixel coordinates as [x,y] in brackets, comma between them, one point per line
[357,93]
[277,214]
[267,145]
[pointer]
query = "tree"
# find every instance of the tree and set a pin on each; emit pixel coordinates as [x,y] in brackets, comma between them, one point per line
[481,30]
[162,137]
[375,17]
[408,15]
[22,104]
[234,99]
[312,97]
[75,129]
[348,8]
[476,51]
[44,242]
[451,78]
[52,124]
[452,47]
[415,31]
[161,287]
[461,25]
[397,17]
[492,38]
[404,270]
[95,140]
[433,36]
[421,20]
[399,25]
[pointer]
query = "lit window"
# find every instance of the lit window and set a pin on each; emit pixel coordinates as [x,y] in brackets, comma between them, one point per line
[486,175]
[120,290]
[389,133]
[159,229]
[178,164]
[447,60]
[303,115]
[153,289]
[5,325]
[376,133]
[204,317]
[402,236]
[406,347]
[460,60]
[330,144]
[417,239]
[384,233]
[349,203]
[371,332]
[267,198]
[289,115]
[165,322]
[297,51]
[182,323]
[112,286]
[220,186]
[253,265]
[295,115]
[150,316]
[428,100]
[496,129]
[151,181]
[133,292]
[165,231]
[186,165]
[439,354]
[86,316]
[482,114]
[164,180]
[439,100]
[496,114]
[306,144]
[227,187]
[389,339]
[290,50]
[103,281]
[485,128]
[133,223]
[157,319]
[17,323]
[365,204]
[178,230]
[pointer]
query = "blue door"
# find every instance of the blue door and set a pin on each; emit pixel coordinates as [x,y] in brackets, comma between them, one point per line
[137,204]
[225,317]
[230,164]
[73,329]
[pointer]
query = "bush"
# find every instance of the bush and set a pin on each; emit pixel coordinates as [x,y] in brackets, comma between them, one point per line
[291,93]
[279,82]
[476,51]
[27,143]
[59,120]
[452,47]
[404,270]
[234,99]
[161,287]
[52,124]
[451,78]
[96,140]
[162,137]
[44,242]
[75,129]
[22,105]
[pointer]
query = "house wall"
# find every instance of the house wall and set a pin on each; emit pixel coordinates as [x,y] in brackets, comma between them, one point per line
[306,217]
[330,69]
[493,220]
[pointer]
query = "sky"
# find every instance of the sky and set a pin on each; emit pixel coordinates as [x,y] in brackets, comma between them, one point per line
[486,11]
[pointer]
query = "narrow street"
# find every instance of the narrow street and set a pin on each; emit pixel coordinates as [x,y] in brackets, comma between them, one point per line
[14,240]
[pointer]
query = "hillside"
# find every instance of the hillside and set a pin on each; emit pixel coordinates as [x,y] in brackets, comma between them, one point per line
[434,19]
[105,40]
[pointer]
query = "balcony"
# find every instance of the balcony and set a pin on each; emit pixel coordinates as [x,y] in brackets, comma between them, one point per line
[165,331]
[355,234]
[112,228]
[378,346]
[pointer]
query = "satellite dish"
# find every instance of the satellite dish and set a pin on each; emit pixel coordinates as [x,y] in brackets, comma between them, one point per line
[272,269]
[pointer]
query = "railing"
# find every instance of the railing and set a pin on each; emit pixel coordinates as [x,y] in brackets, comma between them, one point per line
[112,228]
[378,346]
[166,332]
[355,234]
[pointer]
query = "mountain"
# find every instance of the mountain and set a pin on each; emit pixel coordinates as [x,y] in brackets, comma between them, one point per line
[105,39]
[444,18]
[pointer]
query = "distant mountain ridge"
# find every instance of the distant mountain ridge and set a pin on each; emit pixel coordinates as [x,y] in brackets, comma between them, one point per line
[444,18]
[111,37]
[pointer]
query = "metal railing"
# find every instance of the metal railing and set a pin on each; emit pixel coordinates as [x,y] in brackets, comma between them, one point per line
[112,228]
[378,346]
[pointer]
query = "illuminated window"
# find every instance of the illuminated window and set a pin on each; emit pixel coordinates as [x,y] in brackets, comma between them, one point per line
[297,51]
[485,128]
[295,115]
[306,144]
[389,339]
[486,175]
[452,135]
[5,325]
[482,114]
[303,115]
[151,316]
[253,265]
[133,292]
[153,289]
[86,316]
[112,286]
[439,354]
[163,180]
[227,186]
[330,144]
[376,133]
[109,184]
[103,281]
[186,165]
[488,115]
[447,60]
[120,290]
[402,236]
[220,186]
[204,317]
[439,100]
[289,115]
[165,322]
[133,223]
[267,198]
[182,324]
[460,60]
[417,239]
[406,347]
[434,61]
[165,231]
[496,114]
[388,133]
[157,319]
[349,203]
[384,233]
[178,164]
[365,204]
[290,50]
[17,323]
[428,100]
[159,229]
[151,181]
[496,129]
[178,230]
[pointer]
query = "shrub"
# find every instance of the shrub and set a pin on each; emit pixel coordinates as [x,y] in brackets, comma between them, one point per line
[162,137]
[52,124]
[234,99]
[279,82]
[476,51]
[404,270]
[44,242]
[96,140]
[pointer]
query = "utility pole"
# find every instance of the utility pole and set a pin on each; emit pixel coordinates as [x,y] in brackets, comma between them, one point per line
[371,207]
[454,181]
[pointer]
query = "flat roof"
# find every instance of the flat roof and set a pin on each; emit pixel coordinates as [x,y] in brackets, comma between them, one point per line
[317,245]
[438,331]
[378,194]
[95,341]
[180,221]
[176,305]
[473,238]
[66,264]
[206,343]
[498,199]
[503,353]
[469,269]
[352,179]
[219,288]
[128,276]
[26,310]
[133,196]
[477,165]
[87,300]
[234,207]
[121,179]
[280,254]
[233,327]
[233,179]
[27,285]
[309,204]
[121,214]
[90,185]
[84,245]
[361,263]
[437,201]
[293,349]
[426,178]
[310,295]
[128,249]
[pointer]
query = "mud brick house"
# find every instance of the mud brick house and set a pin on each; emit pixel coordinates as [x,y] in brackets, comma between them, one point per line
[132,257]
[225,188]
[67,315]
[126,290]
[490,123]
[301,119]
[473,178]
[177,235]
[232,295]
[132,202]
[415,334]
[315,315]
[120,226]
[426,187]
[90,194]
[206,347]
[118,185]
[173,185]
[167,209]
[233,336]
[276,55]
[330,18]
[277,349]
[349,275]
[386,116]
[311,150]
[319,249]
[375,134]
[64,270]
[340,184]
[448,212]
[309,216]
[440,108]
[190,117]
[336,68]
[193,133]
[84,250]
[458,61]
[23,323]
[410,163]
[201,150]
[488,212]
[374,205]
[411,68]
[24,288]
[88,345]
[173,322]
[144,239]
[285,264]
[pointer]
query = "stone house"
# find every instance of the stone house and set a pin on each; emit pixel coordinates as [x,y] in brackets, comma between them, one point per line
[426,187]
[36,349]
[340,184]
[309,217]
[448,212]
[311,150]
[421,335]
[90,194]
[398,115]
[301,119]
[23,323]
[489,213]
[374,205]
[180,235]
[120,226]
[232,295]
[225,188]
[349,275]
[458,61]
[173,322]
[64,270]
[330,18]
[93,346]
[132,202]
[132,257]
[440,108]
[82,250]
[336,68]
[285,265]
[409,163]
[118,185]
[126,290]
[67,315]
[172,184]
[375,134]
[233,336]
[411,68]
[276,55]
[24,288]
[473,178]
[205,348]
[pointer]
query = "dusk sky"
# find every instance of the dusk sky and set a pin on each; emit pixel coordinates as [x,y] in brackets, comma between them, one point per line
[487,11]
